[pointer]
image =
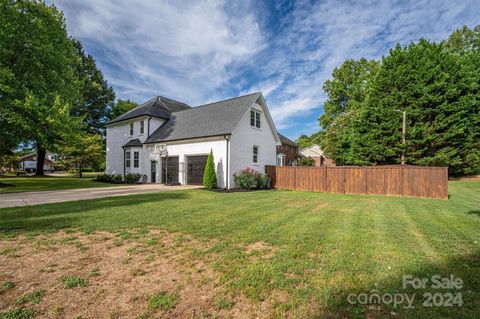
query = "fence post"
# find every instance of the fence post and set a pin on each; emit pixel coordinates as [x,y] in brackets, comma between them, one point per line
[366,180]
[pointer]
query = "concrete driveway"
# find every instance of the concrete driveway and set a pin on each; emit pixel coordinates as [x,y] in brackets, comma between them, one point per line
[46,197]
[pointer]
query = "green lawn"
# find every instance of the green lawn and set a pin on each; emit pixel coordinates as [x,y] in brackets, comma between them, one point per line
[322,247]
[49,183]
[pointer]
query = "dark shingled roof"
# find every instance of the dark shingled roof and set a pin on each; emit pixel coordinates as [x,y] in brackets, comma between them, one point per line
[133,143]
[286,140]
[159,106]
[212,119]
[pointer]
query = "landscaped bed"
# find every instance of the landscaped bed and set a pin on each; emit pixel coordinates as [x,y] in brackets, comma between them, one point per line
[267,254]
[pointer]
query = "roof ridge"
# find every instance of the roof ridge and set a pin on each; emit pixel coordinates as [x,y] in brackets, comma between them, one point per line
[159,97]
[230,99]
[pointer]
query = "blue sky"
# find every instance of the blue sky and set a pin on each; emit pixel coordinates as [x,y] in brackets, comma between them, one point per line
[202,51]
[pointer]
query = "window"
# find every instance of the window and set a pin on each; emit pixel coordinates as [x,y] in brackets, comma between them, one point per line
[135,159]
[281,160]
[127,159]
[255,153]
[131,129]
[142,127]
[255,118]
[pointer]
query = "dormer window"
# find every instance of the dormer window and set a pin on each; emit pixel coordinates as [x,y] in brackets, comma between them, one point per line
[131,129]
[142,127]
[255,118]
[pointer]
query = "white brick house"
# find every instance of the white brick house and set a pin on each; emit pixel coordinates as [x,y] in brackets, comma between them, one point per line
[168,141]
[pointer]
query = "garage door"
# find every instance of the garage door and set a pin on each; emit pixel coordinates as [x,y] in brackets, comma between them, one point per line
[195,169]
[172,170]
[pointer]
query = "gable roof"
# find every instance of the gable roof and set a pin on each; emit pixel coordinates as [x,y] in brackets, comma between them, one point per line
[312,150]
[133,143]
[214,119]
[159,106]
[285,140]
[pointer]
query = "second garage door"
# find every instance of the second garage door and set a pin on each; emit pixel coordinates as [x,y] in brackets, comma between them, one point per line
[195,169]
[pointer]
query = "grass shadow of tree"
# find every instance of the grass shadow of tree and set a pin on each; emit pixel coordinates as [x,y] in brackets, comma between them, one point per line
[57,216]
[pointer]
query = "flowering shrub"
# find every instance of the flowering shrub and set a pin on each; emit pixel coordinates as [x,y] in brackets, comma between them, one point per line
[249,178]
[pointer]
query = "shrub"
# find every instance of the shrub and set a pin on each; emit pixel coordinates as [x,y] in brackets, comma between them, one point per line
[308,161]
[249,178]
[209,175]
[109,178]
[132,178]
[117,179]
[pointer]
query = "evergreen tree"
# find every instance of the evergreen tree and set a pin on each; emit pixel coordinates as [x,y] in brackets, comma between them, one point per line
[209,175]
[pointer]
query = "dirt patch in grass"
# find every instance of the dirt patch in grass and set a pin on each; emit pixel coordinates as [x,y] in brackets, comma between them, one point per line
[261,248]
[105,275]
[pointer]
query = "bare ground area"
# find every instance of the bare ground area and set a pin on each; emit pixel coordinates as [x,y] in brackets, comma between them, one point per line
[116,275]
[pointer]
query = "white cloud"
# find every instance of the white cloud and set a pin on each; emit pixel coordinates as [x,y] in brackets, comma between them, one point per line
[199,51]
[322,36]
[179,49]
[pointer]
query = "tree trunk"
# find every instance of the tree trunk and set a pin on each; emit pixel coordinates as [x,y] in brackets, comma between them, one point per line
[80,170]
[41,152]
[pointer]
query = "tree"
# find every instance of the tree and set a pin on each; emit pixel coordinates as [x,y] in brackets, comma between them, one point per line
[120,107]
[464,40]
[347,92]
[437,84]
[306,141]
[37,73]
[83,149]
[96,97]
[440,95]
[209,175]
[348,88]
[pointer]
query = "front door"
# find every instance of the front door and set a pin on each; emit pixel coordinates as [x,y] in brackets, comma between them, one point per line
[153,171]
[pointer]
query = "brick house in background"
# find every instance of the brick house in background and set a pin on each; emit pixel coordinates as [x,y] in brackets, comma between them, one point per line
[316,153]
[287,153]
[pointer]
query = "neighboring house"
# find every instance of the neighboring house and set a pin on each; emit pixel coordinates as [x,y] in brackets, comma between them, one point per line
[169,141]
[316,153]
[29,163]
[287,153]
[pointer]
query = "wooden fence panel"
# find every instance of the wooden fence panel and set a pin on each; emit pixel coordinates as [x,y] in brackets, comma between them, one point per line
[378,180]
[355,180]
[376,184]
[393,180]
[335,181]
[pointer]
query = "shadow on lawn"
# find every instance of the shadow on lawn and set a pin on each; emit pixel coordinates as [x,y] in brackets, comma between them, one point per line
[467,268]
[57,216]
[475,212]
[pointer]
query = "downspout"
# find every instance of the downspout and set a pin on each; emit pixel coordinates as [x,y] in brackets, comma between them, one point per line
[148,127]
[227,172]
[124,169]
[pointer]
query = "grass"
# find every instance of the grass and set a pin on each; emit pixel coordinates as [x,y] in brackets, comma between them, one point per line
[311,250]
[18,313]
[49,183]
[162,300]
[70,282]
[33,297]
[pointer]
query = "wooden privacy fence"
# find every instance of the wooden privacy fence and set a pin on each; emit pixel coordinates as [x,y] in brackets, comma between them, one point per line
[403,180]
